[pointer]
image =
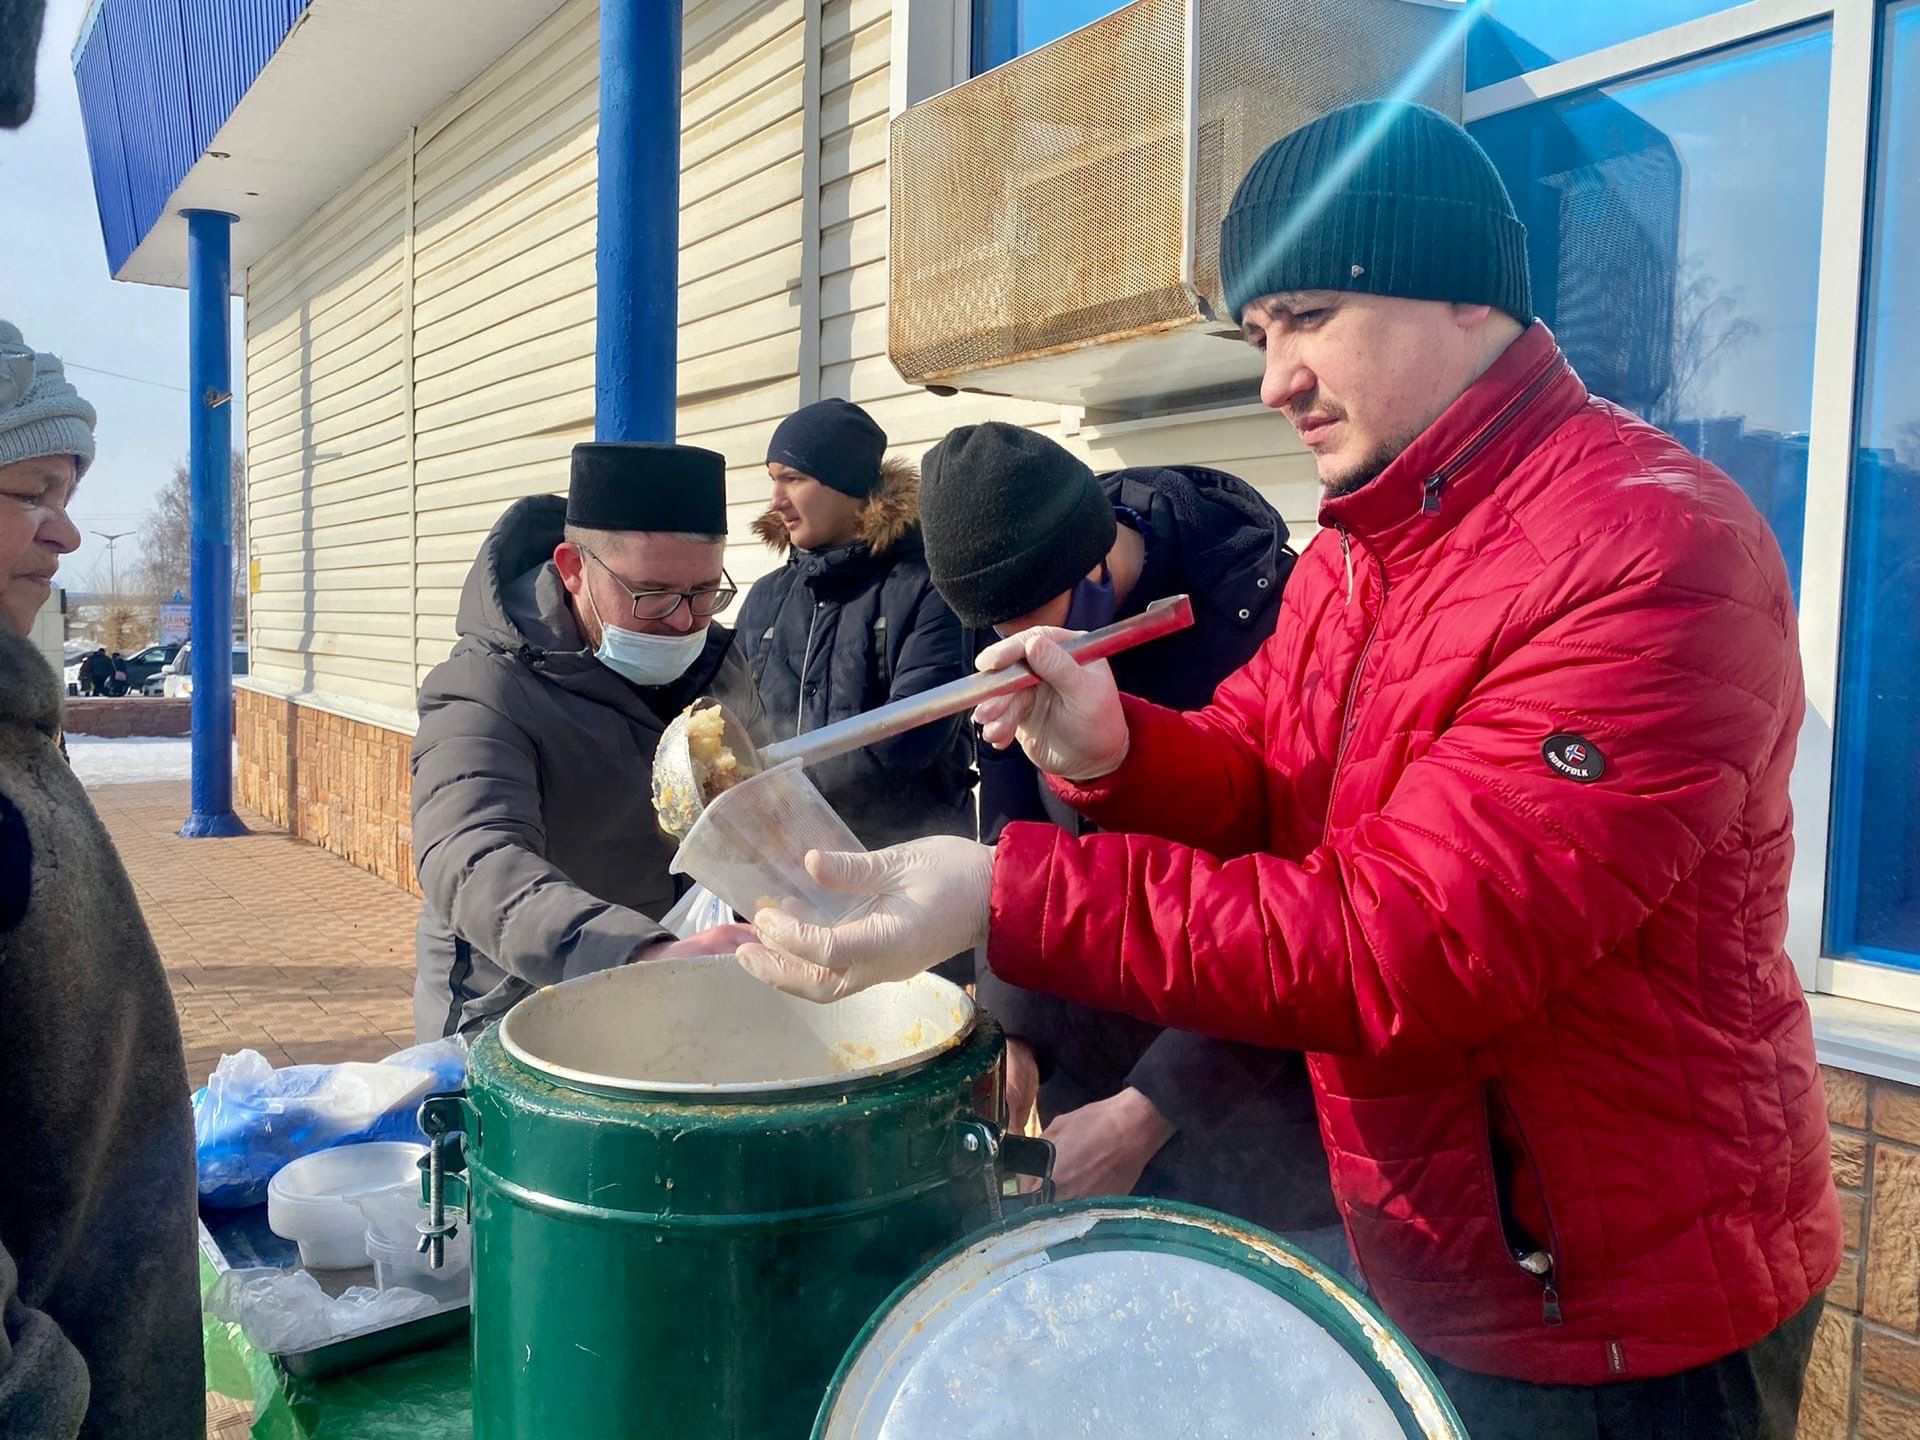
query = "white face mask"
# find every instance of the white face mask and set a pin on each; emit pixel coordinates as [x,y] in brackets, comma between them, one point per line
[646,660]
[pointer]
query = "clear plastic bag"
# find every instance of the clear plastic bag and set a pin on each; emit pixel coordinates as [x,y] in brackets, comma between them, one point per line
[250,1119]
[285,1311]
[699,909]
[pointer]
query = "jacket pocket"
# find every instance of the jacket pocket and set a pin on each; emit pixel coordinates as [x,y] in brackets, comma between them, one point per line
[1520,1200]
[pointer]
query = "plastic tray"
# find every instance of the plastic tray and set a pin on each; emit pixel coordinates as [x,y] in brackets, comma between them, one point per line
[241,1240]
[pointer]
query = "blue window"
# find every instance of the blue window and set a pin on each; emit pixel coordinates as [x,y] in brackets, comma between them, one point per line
[1515,36]
[1873,910]
[1003,29]
[1673,231]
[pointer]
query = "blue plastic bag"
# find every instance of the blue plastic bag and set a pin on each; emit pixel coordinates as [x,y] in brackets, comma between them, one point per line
[250,1119]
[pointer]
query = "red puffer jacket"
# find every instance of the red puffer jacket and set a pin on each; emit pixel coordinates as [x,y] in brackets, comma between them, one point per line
[1496,826]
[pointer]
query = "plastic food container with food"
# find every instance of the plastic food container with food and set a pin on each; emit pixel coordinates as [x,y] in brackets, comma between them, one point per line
[750,845]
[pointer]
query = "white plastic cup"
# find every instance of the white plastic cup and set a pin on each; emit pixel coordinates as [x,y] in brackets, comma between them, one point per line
[393,1244]
[750,846]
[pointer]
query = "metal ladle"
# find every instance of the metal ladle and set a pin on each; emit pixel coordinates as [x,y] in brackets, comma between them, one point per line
[679,788]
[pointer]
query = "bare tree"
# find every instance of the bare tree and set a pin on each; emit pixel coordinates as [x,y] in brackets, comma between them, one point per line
[123,627]
[1706,330]
[166,562]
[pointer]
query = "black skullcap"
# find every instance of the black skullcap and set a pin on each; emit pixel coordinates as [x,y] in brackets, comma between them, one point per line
[635,485]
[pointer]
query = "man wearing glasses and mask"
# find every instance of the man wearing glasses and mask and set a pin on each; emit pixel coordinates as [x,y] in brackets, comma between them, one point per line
[585,626]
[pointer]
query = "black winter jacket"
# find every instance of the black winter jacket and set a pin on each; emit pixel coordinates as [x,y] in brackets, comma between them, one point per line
[1248,1141]
[835,632]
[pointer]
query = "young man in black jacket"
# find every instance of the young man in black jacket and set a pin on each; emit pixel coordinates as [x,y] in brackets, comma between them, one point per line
[852,620]
[1020,533]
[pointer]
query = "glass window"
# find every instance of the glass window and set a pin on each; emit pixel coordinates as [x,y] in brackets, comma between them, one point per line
[1515,36]
[1003,29]
[1673,230]
[1873,910]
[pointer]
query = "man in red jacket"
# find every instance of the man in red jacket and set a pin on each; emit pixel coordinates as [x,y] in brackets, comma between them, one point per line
[1495,827]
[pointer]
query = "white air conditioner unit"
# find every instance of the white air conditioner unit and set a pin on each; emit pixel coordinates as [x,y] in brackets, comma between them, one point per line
[1055,222]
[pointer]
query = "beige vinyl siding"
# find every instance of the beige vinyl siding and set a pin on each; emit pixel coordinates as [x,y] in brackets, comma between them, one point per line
[743,202]
[411,372]
[503,301]
[326,436]
[1256,444]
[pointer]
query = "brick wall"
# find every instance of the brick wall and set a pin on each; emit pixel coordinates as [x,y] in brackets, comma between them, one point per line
[117,718]
[1864,1382]
[343,784]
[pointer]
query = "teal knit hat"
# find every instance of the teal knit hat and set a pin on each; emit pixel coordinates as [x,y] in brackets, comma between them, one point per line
[40,413]
[1384,198]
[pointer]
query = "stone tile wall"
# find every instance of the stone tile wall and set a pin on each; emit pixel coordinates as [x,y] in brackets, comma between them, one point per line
[341,783]
[1864,1382]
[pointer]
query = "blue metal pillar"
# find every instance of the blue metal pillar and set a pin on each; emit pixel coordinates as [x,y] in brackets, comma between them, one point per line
[210,380]
[637,255]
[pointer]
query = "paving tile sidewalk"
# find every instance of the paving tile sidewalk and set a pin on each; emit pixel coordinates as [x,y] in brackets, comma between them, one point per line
[270,944]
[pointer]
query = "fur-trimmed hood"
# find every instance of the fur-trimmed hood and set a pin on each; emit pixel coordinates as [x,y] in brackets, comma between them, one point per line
[889,516]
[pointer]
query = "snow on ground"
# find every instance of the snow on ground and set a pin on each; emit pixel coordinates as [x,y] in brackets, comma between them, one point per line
[124,762]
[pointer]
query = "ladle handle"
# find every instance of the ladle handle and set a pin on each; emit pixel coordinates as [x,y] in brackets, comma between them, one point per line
[1163,617]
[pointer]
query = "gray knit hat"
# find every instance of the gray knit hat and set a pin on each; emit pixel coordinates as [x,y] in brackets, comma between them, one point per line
[40,413]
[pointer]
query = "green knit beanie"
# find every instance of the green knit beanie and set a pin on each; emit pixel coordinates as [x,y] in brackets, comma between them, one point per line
[1384,198]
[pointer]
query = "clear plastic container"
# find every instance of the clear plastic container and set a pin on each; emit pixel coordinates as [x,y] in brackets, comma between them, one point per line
[393,1244]
[750,845]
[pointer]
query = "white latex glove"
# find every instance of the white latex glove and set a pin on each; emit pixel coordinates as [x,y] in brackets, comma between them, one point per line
[1071,724]
[931,902]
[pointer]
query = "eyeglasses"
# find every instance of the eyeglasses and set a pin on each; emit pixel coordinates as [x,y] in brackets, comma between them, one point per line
[654,605]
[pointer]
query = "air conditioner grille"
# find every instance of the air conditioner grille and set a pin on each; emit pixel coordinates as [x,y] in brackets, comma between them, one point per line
[1042,205]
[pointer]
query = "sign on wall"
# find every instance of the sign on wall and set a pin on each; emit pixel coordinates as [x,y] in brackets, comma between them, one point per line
[174,615]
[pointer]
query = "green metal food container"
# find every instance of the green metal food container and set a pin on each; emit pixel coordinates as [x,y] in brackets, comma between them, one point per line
[689,1192]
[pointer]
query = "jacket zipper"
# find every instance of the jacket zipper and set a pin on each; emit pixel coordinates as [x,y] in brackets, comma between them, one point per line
[1437,481]
[1539,1263]
[1359,669]
[1429,505]
[806,659]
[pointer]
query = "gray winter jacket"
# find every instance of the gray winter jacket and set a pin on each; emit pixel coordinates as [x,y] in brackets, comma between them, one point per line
[100,1330]
[533,823]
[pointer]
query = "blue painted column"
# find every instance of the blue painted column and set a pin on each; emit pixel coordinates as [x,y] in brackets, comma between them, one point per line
[637,253]
[210,381]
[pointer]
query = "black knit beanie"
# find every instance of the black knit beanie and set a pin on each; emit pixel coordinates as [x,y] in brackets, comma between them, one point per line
[1010,520]
[1385,198]
[834,441]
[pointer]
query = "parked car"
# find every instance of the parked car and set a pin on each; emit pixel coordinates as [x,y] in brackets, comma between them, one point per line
[149,662]
[176,680]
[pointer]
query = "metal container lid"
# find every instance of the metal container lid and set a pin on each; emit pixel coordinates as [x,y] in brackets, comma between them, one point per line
[1130,1320]
[705,1028]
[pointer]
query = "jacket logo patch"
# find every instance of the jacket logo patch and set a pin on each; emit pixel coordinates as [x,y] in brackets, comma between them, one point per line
[1575,757]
